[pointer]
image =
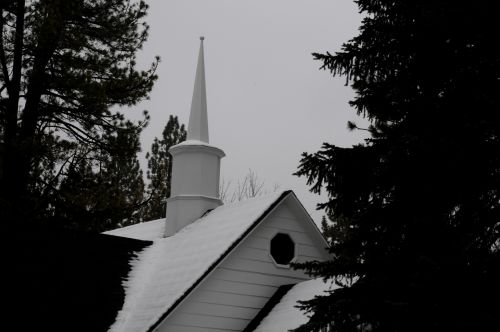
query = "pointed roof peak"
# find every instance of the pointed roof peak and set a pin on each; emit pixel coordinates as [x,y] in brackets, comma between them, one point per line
[198,120]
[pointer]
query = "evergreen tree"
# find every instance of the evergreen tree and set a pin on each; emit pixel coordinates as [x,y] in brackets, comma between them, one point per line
[416,209]
[159,171]
[102,189]
[63,65]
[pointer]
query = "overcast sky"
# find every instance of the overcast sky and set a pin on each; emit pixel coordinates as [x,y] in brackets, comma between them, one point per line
[267,99]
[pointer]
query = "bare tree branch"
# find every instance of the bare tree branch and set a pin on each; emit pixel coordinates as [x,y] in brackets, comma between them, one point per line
[250,186]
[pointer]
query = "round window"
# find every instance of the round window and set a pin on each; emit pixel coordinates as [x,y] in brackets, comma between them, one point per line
[282,249]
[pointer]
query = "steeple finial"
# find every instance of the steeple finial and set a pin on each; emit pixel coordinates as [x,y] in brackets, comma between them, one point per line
[198,122]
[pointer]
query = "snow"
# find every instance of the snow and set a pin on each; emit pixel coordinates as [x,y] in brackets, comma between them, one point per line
[285,315]
[194,142]
[164,271]
[149,231]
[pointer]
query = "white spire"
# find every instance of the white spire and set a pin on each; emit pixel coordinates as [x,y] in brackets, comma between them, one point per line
[195,164]
[198,122]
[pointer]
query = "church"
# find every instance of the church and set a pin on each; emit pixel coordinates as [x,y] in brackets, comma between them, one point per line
[207,266]
[215,267]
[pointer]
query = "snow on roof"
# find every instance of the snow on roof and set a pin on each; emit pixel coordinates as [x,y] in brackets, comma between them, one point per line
[175,264]
[149,231]
[285,315]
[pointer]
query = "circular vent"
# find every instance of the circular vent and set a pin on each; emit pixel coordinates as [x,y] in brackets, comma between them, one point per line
[282,249]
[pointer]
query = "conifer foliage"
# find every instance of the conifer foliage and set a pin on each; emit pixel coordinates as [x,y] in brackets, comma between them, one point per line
[416,209]
[159,171]
[64,65]
[102,188]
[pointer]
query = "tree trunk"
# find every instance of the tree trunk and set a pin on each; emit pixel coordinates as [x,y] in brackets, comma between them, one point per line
[11,189]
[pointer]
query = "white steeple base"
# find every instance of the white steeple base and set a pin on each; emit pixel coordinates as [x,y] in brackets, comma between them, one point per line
[183,210]
[195,183]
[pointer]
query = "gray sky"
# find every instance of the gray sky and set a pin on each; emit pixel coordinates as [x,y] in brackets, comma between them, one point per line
[267,100]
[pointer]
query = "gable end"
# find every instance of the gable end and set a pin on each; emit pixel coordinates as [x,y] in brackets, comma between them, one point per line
[220,259]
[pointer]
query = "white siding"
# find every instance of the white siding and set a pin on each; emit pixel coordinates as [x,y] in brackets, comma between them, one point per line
[230,297]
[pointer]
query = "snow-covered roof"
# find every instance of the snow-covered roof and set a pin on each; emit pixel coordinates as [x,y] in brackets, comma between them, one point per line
[151,230]
[176,264]
[285,315]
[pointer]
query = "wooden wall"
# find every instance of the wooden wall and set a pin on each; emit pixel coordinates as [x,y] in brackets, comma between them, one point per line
[238,288]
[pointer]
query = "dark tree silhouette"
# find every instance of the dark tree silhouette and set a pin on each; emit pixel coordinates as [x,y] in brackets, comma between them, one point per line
[101,189]
[63,65]
[416,209]
[159,171]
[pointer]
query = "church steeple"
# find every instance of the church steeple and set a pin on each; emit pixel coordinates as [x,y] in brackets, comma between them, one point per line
[195,164]
[198,121]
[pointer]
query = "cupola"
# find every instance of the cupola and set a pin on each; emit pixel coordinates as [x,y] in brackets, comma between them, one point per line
[195,164]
